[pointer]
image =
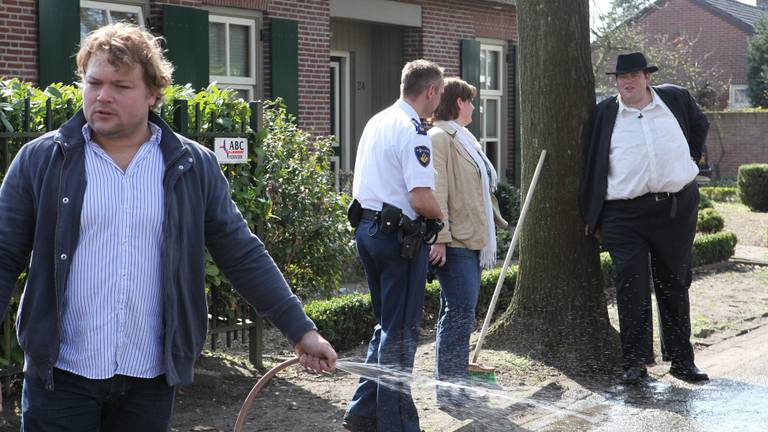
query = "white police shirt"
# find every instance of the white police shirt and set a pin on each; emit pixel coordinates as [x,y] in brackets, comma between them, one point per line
[394,156]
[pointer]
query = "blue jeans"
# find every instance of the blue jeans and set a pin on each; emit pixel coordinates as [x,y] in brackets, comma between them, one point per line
[459,288]
[79,404]
[397,297]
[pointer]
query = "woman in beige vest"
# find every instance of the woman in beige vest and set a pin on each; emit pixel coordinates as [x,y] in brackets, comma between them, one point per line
[465,180]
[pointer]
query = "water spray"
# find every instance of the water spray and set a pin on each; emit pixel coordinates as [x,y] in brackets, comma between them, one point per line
[397,379]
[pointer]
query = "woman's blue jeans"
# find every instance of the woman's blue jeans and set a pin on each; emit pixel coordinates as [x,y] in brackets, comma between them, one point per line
[459,288]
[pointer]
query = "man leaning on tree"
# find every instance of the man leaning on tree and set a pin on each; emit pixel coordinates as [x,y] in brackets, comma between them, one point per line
[115,210]
[638,196]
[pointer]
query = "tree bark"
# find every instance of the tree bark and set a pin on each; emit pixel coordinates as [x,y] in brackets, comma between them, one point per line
[558,312]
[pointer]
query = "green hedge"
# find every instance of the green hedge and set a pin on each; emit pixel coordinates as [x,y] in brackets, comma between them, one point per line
[347,321]
[712,248]
[752,181]
[719,193]
[705,203]
[709,221]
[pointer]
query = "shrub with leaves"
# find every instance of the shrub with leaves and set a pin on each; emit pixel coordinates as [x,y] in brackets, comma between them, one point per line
[752,181]
[705,202]
[709,221]
[720,193]
[307,230]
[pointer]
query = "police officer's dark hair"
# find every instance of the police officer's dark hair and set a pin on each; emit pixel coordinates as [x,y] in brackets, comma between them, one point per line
[417,76]
[454,88]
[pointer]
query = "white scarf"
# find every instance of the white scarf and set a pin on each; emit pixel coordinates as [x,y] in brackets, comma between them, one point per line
[490,180]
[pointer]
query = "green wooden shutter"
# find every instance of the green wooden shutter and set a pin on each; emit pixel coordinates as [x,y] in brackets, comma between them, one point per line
[186,34]
[285,63]
[514,102]
[59,35]
[470,72]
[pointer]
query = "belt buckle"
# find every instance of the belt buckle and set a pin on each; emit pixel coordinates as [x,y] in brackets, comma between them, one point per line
[661,196]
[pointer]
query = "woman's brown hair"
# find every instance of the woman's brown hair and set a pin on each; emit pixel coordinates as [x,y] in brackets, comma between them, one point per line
[454,88]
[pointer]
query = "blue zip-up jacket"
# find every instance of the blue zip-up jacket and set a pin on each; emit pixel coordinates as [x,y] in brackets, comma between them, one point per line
[40,203]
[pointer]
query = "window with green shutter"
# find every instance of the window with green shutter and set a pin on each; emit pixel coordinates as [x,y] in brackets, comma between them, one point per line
[186,34]
[285,63]
[470,72]
[59,38]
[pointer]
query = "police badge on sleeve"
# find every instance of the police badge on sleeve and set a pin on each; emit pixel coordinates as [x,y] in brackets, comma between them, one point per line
[423,155]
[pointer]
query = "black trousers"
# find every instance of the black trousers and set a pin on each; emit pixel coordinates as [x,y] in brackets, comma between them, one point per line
[662,229]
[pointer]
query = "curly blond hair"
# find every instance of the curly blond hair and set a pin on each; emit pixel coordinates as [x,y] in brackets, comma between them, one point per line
[128,44]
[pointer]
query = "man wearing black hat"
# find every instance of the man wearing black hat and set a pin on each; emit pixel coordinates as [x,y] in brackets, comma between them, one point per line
[638,196]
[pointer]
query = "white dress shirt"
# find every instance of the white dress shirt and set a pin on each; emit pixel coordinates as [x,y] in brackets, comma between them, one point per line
[112,316]
[394,157]
[649,152]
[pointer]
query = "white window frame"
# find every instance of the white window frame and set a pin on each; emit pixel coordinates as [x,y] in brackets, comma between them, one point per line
[732,96]
[117,7]
[497,95]
[345,116]
[226,81]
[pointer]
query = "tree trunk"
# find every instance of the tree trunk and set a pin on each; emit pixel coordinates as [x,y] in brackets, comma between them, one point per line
[558,312]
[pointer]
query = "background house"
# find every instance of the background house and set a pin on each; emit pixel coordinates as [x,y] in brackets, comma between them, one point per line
[721,29]
[335,62]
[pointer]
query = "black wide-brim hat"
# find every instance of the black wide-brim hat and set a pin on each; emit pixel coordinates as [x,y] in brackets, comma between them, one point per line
[632,62]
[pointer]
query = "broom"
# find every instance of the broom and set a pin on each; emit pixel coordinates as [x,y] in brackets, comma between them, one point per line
[478,371]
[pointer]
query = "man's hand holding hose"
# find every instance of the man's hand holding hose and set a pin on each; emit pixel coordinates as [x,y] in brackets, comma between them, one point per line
[315,353]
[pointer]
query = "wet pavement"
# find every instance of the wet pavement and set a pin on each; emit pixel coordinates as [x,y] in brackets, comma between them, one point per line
[735,398]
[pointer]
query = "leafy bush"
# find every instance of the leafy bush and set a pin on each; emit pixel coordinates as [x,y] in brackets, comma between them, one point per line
[307,229]
[705,203]
[712,248]
[720,193]
[346,321]
[752,181]
[709,221]
[509,202]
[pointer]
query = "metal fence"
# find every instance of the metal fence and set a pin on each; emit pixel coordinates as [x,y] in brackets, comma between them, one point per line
[232,323]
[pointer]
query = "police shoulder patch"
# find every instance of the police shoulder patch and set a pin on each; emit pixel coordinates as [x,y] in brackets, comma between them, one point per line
[423,155]
[419,128]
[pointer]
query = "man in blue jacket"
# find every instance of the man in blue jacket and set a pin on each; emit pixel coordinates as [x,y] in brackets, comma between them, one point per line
[112,212]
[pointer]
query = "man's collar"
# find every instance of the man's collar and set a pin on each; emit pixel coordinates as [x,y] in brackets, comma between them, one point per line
[70,133]
[654,100]
[408,108]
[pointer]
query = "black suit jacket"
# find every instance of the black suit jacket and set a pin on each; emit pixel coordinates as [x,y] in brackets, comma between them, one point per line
[597,144]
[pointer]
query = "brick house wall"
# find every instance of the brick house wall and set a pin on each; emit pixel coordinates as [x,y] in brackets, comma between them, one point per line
[445,24]
[719,43]
[736,138]
[314,51]
[18,39]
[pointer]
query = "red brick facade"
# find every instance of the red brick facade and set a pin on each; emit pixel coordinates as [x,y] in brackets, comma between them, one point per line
[444,24]
[18,39]
[720,43]
[314,53]
[735,139]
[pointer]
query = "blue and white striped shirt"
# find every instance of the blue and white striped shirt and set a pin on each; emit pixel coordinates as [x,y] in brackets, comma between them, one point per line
[112,316]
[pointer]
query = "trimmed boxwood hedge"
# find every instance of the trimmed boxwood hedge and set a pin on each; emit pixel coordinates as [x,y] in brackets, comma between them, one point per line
[720,193]
[705,203]
[346,321]
[712,248]
[709,221]
[752,181]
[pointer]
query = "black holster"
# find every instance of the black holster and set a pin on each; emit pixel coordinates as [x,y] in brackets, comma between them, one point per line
[412,232]
[354,213]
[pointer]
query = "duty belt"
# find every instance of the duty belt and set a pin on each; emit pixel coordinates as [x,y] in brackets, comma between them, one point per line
[371,215]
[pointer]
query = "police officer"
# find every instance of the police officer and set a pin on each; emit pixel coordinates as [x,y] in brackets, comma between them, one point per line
[394,172]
